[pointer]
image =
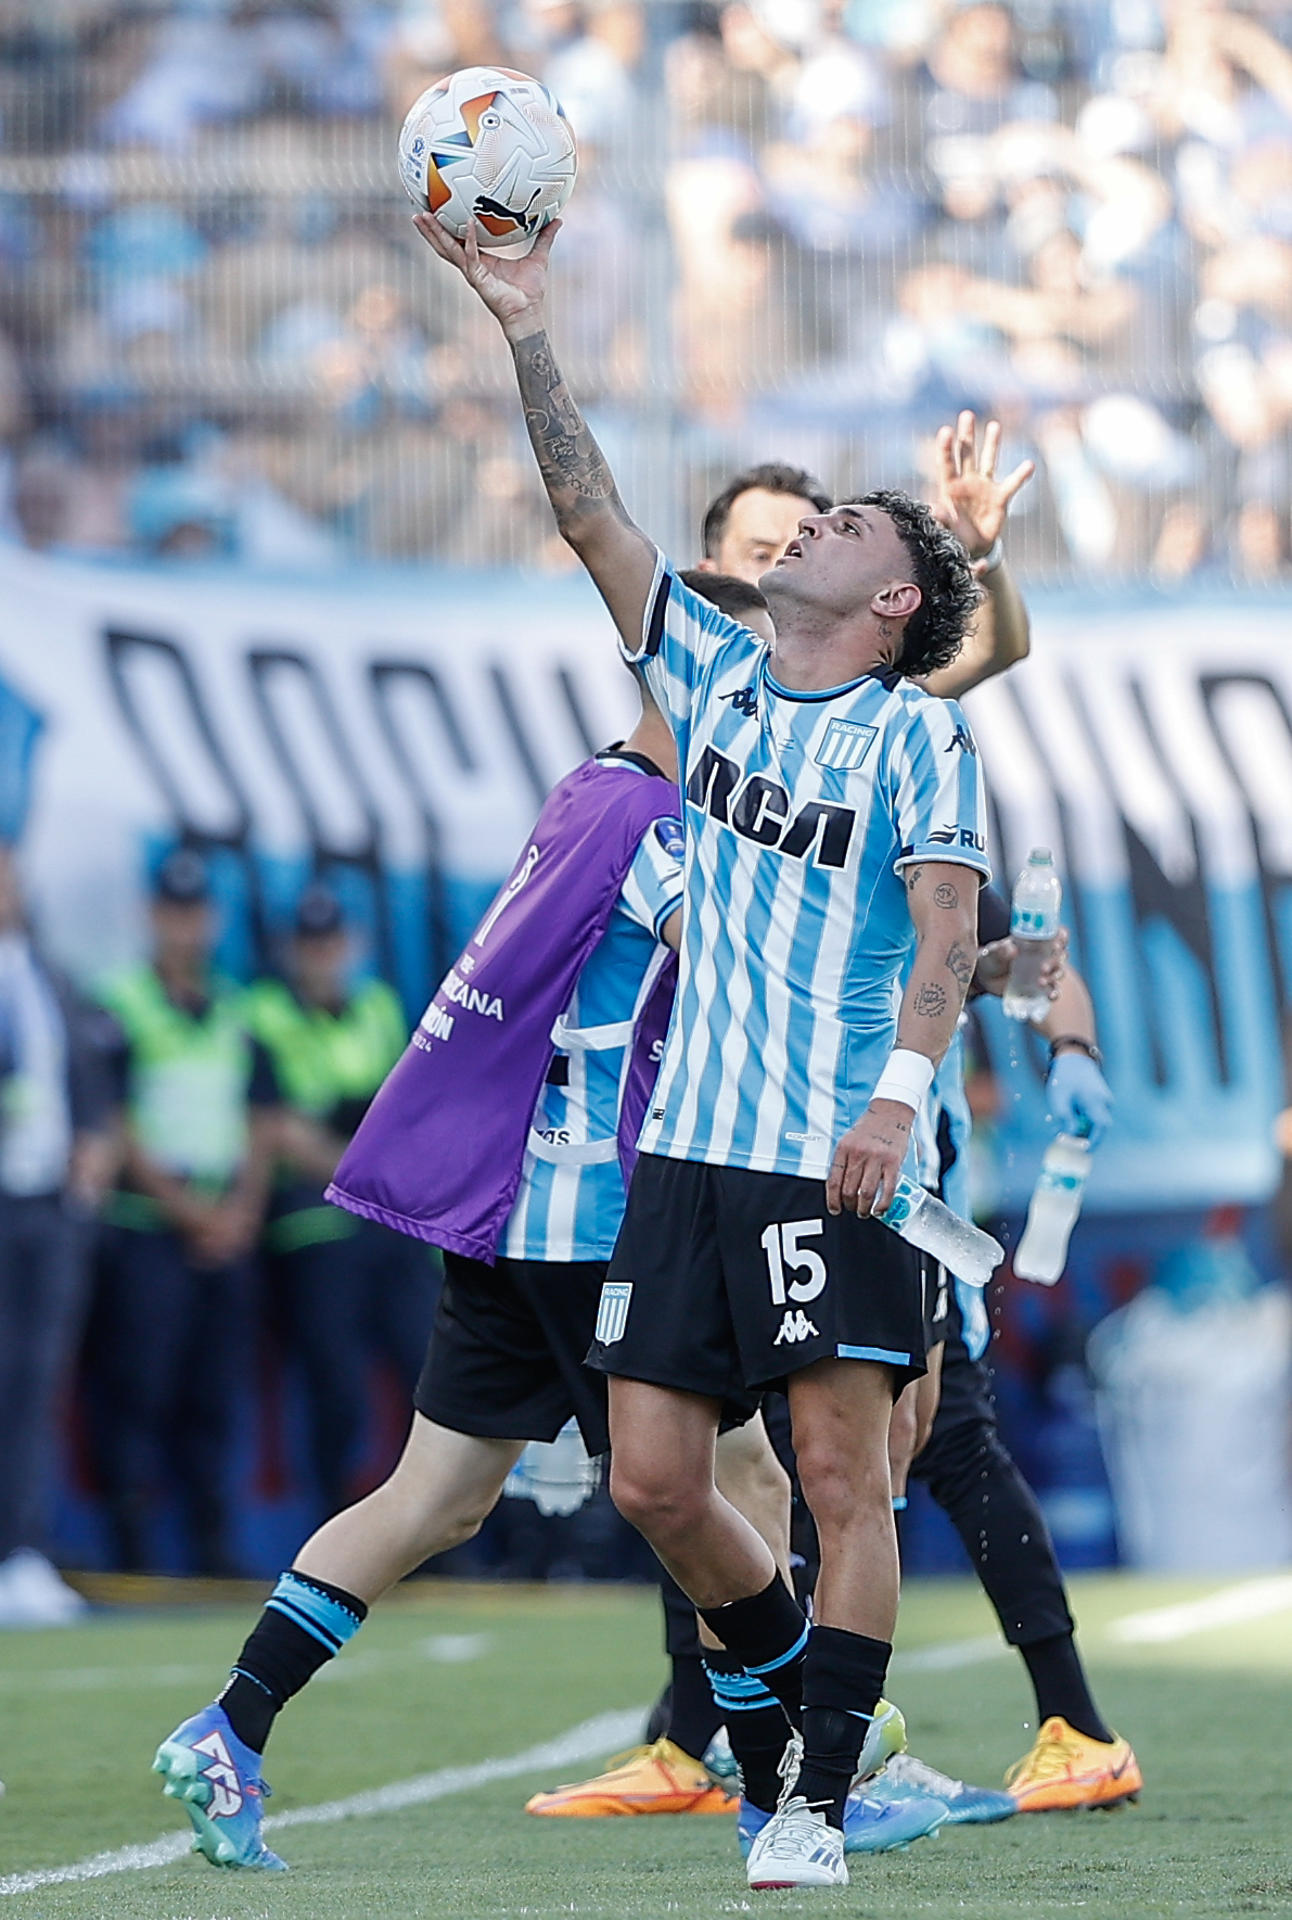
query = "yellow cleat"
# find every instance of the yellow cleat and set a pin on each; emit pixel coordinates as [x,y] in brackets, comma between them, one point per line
[1068,1769]
[659,1778]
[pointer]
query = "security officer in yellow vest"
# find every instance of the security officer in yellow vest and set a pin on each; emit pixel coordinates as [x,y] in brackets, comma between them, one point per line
[172,1335]
[346,1292]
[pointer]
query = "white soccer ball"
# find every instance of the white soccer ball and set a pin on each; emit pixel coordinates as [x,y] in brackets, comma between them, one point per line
[492,146]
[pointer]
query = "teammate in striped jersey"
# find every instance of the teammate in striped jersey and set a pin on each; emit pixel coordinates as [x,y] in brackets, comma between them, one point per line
[834,817]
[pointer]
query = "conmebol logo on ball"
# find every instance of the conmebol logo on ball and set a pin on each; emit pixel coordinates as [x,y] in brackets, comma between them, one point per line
[491,146]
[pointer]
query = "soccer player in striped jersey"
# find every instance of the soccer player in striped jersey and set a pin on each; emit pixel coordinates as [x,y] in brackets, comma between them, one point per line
[834,817]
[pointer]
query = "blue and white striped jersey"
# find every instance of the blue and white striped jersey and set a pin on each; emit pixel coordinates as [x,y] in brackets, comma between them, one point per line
[800,812]
[571,1196]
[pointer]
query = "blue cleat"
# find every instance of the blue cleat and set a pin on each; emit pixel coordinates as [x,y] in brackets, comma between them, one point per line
[883,1826]
[905,1778]
[750,1822]
[205,1765]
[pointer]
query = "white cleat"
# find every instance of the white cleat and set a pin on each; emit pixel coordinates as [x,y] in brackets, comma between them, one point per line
[797,1848]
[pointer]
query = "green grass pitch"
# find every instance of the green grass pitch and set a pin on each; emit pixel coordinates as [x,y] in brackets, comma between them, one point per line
[448,1677]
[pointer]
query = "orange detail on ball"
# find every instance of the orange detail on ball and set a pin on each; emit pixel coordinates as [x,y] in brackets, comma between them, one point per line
[471,111]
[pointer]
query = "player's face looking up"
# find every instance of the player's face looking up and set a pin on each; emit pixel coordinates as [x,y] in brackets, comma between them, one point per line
[845,562]
[759,527]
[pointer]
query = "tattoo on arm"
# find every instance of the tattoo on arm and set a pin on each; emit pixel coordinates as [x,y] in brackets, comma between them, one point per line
[931,1001]
[961,964]
[913,878]
[946,895]
[574,470]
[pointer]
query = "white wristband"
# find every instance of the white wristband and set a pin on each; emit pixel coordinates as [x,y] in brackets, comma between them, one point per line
[993,558]
[907,1077]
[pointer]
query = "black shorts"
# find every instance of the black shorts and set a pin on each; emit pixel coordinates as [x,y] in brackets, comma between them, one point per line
[938,1289]
[725,1281]
[967,1396]
[506,1358]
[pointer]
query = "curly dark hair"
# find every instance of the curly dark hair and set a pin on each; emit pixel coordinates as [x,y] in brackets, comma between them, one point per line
[949,593]
[773,476]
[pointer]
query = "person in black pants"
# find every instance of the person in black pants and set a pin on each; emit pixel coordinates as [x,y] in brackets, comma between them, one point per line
[55,1154]
[172,1329]
[344,1291]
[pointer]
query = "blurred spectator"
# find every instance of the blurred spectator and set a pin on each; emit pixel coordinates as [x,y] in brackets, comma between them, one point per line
[347,1293]
[171,1333]
[55,1158]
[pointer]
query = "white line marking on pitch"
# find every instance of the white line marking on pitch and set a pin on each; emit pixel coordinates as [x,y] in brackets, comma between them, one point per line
[948,1655]
[446,1649]
[1249,1600]
[590,1739]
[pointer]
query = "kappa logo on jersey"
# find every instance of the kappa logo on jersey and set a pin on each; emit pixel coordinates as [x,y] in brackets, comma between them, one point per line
[612,1311]
[226,1794]
[844,745]
[963,739]
[958,837]
[744,700]
[794,1327]
[759,809]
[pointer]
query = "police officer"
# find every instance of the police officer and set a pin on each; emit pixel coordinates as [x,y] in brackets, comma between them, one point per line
[347,1292]
[170,1338]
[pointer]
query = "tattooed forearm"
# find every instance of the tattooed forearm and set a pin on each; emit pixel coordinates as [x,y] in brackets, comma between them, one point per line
[961,964]
[578,481]
[946,895]
[931,1001]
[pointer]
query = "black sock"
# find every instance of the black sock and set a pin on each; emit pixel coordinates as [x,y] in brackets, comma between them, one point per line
[1059,1681]
[768,1633]
[306,1622]
[693,1717]
[756,1727]
[843,1678]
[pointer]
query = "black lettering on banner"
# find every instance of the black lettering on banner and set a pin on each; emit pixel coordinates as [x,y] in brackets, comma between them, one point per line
[165,711]
[291,696]
[400,688]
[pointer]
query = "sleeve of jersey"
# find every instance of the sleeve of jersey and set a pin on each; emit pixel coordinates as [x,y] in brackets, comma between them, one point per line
[680,634]
[652,889]
[940,807]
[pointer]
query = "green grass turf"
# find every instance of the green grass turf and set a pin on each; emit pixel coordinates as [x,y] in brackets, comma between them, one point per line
[81,1711]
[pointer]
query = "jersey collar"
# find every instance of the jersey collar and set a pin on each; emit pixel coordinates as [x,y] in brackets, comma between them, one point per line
[887,678]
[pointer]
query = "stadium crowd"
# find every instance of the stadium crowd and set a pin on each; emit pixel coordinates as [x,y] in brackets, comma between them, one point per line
[803,227]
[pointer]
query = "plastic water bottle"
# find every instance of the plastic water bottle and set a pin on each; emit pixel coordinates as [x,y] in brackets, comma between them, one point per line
[920,1217]
[557,1475]
[1033,924]
[1056,1201]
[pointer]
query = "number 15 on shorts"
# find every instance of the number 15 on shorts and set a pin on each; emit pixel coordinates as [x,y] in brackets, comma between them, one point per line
[786,1254]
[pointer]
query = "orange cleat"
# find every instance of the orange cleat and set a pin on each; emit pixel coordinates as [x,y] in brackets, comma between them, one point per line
[1068,1769]
[659,1778]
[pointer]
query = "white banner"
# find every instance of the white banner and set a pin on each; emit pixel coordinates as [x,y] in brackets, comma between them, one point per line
[397,733]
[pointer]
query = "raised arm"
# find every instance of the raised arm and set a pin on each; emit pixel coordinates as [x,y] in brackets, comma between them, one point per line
[589,513]
[943,902]
[973,503]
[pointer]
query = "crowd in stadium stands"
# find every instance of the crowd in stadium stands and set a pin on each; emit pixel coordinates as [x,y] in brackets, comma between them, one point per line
[803,227]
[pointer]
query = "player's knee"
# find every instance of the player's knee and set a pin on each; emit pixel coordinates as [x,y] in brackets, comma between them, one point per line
[843,1492]
[662,1506]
